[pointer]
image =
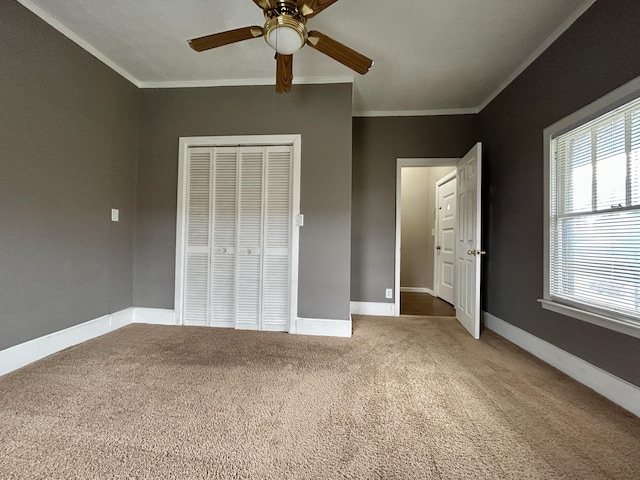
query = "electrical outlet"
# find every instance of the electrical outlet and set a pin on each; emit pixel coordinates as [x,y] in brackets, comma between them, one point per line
[388,293]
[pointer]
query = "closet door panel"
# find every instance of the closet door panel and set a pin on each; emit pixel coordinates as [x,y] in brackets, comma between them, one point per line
[198,227]
[223,264]
[277,239]
[248,280]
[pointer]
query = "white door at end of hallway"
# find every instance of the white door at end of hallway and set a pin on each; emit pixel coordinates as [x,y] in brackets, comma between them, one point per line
[445,238]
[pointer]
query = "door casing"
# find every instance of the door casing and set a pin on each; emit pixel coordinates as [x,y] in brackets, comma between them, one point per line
[402,163]
[295,140]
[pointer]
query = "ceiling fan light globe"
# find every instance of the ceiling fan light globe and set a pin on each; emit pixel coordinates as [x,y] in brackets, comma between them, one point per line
[285,40]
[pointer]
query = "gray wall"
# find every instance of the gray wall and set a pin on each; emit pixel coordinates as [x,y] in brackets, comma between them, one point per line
[377,143]
[418,221]
[67,156]
[595,56]
[321,113]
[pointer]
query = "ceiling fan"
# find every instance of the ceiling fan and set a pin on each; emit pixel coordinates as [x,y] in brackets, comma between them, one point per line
[286,32]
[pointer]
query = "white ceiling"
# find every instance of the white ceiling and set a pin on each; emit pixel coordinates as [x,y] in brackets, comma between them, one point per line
[431,56]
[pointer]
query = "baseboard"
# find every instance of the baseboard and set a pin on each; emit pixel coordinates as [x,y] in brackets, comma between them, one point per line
[154,316]
[323,327]
[377,309]
[418,290]
[302,326]
[25,353]
[121,319]
[614,388]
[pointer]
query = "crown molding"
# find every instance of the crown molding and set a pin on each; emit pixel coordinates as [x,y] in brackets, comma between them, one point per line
[242,82]
[564,26]
[46,17]
[415,113]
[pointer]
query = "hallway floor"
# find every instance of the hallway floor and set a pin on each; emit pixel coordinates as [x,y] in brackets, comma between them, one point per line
[425,304]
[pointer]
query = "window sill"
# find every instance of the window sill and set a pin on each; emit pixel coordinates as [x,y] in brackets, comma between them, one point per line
[620,326]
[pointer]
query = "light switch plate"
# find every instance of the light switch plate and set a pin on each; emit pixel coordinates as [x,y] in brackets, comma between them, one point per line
[300,220]
[115,215]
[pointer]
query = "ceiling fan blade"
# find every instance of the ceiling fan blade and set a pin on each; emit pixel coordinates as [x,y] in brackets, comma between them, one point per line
[225,38]
[284,73]
[310,8]
[265,5]
[339,52]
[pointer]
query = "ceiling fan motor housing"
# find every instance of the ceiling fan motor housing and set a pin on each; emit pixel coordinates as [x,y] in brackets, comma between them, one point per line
[285,30]
[283,7]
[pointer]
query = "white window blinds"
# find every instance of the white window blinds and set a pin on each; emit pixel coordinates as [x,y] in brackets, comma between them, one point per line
[595,215]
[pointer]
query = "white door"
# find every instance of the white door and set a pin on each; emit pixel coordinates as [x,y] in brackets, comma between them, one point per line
[224,235]
[197,236]
[468,250]
[249,258]
[276,290]
[445,238]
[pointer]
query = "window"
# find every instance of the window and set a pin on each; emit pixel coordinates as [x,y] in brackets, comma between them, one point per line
[593,216]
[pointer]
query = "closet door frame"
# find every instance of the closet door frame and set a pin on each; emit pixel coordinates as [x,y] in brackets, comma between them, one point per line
[295,141]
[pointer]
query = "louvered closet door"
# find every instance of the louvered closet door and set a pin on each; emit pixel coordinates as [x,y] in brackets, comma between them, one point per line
[238,240]
[277,239]
[198,226]
[249,278]
[224,234]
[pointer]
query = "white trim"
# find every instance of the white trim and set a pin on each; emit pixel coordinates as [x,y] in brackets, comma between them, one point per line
[614,388]
[25,353]
[155,316]
[416,113]
[243,82]
[417,290]
[428,162]
[295,228]
[244,140]
[323,327]
[121,319]
[377,309]
[564,26]
[400,164]
[620,326]
[46,17]
[181,214]
[295,140]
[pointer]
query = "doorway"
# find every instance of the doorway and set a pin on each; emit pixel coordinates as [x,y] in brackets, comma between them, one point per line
[468,227]
[417,237]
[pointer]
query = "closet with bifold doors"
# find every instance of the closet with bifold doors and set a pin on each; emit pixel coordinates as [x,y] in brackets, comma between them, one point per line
[237,261]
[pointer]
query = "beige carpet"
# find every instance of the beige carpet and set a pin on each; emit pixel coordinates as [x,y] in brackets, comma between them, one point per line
[407,398]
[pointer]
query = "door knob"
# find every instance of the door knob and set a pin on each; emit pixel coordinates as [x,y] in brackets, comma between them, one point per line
[476,252]
[438,248]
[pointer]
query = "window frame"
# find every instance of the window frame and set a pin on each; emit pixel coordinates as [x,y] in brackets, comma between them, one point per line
[625,94]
